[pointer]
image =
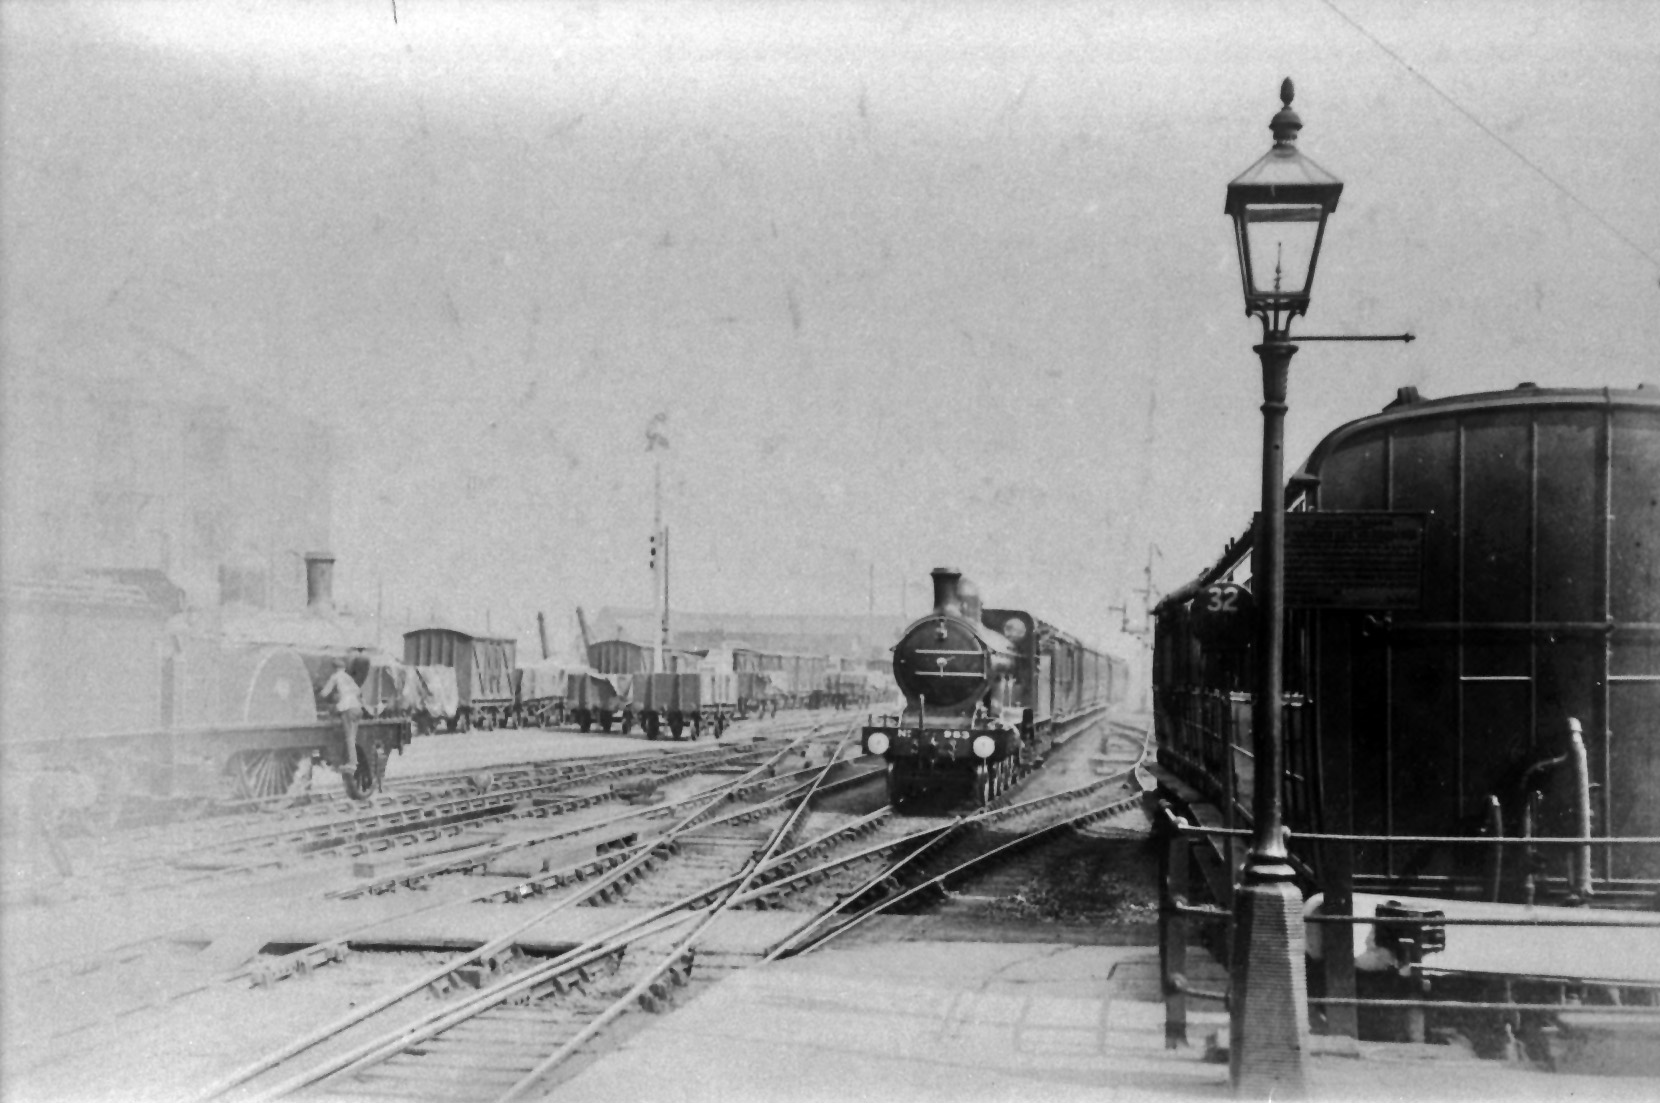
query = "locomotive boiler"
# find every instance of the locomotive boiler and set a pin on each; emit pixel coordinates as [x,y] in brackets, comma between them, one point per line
[985,693]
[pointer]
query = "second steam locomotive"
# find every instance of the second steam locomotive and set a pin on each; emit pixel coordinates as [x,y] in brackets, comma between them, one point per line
[986,691]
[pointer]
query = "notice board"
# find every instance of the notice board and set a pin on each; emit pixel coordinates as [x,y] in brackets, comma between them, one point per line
[1369,560]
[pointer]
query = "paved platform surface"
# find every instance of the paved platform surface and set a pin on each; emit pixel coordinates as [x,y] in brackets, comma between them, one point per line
[960,1022]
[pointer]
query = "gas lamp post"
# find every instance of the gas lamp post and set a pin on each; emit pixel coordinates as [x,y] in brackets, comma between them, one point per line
[1279,208]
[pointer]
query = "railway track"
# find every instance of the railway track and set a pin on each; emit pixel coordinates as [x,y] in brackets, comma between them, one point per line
[650,870]
[520,1030]
[102,968]
[971,845]
[398,821]
[573,968]
[159,820]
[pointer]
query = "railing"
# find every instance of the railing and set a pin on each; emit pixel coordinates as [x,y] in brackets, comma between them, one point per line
[1406,934]
[1209,731]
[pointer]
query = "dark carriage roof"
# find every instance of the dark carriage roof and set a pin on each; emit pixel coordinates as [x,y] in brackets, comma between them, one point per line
[1406,408]
[1409,407]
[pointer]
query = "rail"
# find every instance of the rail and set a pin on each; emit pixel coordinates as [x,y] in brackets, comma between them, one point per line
[810,937]
[595,949]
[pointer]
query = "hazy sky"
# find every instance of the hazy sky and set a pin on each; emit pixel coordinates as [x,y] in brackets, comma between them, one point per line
[915,284]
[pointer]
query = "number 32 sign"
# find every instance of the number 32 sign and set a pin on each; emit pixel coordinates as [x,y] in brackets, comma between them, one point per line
[1224,615]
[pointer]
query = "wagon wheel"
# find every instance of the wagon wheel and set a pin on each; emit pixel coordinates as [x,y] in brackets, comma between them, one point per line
[677,724]
[263,775]
[370,772]
[650,723]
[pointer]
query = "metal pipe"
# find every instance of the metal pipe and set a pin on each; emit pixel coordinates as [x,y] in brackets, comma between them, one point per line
[1495,827]
[1582,811]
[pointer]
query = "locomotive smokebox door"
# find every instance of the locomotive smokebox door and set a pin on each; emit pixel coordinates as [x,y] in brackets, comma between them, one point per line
[1223,616]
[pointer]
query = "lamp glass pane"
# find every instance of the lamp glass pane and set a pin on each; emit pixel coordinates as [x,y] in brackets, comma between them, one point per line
[1281,237]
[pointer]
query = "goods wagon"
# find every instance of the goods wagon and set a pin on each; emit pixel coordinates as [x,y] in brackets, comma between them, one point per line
[483,672]
[541,689]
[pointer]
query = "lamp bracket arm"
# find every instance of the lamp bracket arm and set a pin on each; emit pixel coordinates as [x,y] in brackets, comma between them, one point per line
[1407,338]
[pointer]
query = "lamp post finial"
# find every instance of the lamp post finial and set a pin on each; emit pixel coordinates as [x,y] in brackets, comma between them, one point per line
[1285,122]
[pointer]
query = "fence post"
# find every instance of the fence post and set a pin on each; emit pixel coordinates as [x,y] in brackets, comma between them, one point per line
[1337,945]
[1173,876]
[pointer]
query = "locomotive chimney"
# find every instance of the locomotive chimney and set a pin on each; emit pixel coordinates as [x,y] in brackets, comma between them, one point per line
[319,583]
[946,599]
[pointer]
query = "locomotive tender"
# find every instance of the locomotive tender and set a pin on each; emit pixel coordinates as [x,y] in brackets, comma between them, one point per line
[986,691]
[1534,640]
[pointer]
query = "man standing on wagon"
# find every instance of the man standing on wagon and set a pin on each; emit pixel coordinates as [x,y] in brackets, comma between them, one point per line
[341,691]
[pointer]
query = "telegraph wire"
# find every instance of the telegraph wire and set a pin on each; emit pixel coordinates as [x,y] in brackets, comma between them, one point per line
[1485,129]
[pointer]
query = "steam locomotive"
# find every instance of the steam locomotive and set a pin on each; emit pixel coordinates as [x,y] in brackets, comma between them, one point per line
[986,691]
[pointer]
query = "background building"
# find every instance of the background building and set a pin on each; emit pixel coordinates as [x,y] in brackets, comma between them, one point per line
[123,452]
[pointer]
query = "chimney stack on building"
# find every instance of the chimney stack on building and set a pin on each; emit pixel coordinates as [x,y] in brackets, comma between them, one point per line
[319,583]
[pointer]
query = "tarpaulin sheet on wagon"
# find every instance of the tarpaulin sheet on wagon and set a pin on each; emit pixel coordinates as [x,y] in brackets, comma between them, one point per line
[389,687]
[543,681]
[437,693]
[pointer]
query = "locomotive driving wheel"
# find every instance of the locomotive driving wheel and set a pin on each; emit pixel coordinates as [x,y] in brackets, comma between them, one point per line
[982,784]
[269,774]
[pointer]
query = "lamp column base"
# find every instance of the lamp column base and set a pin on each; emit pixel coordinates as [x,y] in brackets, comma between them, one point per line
[1268,1023]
